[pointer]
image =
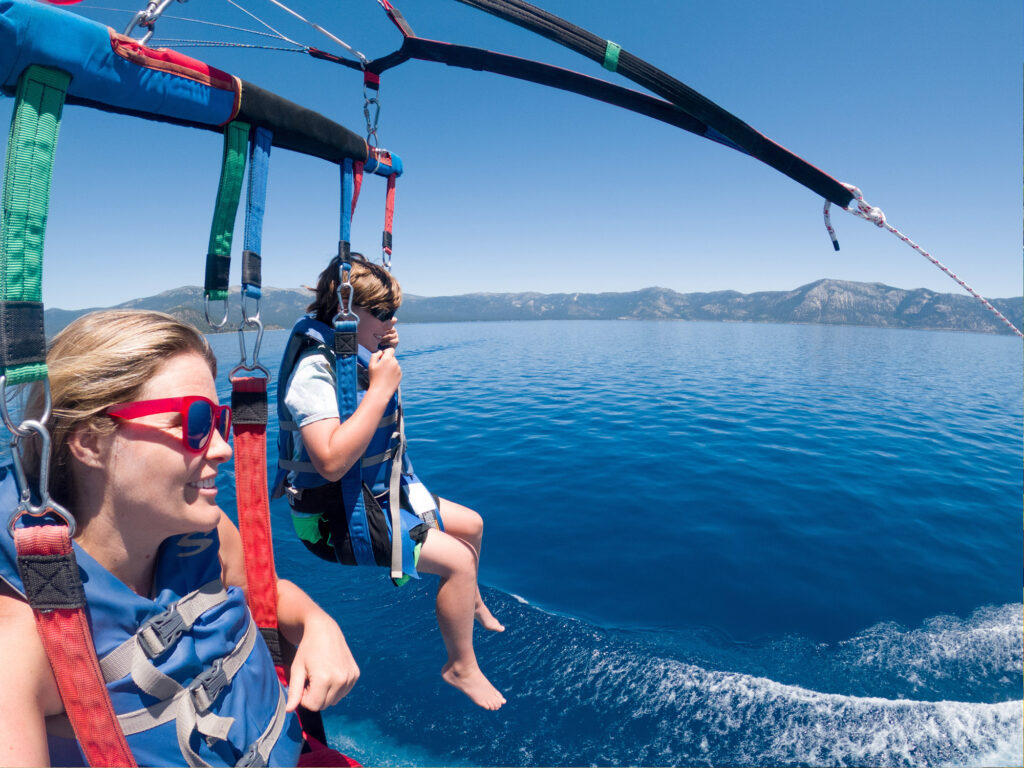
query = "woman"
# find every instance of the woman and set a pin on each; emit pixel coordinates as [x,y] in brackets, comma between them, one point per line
[318,449]
[137,440]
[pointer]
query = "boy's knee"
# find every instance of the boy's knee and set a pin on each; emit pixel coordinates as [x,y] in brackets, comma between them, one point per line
[464,558]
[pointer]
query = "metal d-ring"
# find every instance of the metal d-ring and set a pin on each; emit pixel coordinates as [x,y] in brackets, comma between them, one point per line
[246,317]
[16,429]
[206,309]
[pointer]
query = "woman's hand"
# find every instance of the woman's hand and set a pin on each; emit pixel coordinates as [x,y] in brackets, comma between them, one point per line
[385,372]
[323,670]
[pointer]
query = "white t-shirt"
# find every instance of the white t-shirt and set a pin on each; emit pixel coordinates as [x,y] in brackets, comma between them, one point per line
[310,395]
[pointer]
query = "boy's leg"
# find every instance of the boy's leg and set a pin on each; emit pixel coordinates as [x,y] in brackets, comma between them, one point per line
[466,524]
[451,560]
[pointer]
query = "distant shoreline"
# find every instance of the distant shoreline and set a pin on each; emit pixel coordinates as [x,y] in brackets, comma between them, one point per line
[824,302]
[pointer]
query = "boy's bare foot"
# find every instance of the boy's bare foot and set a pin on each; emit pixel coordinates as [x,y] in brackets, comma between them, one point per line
[473,683]
[486,618]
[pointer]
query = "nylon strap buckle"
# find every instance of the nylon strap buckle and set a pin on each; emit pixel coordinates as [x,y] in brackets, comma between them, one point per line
[252,758]
[207,686]
[161,632]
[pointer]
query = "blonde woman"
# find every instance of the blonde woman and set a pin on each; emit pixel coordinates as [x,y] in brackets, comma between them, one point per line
[137,440]
[318,448]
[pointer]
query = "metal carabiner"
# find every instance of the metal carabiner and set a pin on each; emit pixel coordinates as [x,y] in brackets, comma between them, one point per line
[46,504]
[147,18]
[244,364]
[206,310]
[345,305]
[345,302]
[16,429]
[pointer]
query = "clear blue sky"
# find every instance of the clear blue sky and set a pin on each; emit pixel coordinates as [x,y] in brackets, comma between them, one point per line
[512,186]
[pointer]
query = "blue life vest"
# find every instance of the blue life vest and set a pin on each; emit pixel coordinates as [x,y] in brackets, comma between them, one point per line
[385,448]
[190,659]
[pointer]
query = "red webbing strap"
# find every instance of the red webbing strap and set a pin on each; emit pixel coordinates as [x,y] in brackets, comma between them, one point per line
[389,213]
[46,563]
[397,19]
[249,423]
[357,182]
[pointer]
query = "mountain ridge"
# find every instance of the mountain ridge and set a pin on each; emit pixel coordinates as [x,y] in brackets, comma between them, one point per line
[825,301]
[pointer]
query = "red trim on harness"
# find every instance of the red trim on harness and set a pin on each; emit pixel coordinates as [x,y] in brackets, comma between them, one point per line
[389,210]
[174,63]
[66,638]
[166,60]
[372,79]
[254,510]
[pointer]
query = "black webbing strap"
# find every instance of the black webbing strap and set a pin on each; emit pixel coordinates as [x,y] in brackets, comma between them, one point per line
[718,120]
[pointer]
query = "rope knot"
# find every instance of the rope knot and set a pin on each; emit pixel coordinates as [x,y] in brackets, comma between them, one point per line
[873,214]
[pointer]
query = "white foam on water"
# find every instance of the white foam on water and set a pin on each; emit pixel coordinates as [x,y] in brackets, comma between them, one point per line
[987,645]
[673,712]
[743,719]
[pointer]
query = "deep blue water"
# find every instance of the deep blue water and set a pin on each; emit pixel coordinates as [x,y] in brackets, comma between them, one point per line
[711,544]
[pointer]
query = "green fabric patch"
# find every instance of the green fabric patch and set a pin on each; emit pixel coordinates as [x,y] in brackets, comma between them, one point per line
[415,561]
[611,56]
[307,527]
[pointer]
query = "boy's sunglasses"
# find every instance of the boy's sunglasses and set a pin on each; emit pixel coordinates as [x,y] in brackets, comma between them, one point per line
[199,417]
[382,314]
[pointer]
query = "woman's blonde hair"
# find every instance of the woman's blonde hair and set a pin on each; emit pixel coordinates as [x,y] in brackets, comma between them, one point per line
[373,287]
[102,359]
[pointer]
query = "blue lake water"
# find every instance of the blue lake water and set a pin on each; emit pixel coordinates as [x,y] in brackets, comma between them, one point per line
[711,544]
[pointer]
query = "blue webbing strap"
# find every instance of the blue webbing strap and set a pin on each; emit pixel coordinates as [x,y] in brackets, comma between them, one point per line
[347,188]
[346,350]
[255,204]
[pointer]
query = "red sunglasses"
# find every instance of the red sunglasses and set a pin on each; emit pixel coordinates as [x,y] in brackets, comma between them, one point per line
[199,417]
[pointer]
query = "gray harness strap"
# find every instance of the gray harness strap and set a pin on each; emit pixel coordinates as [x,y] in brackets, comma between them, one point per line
[395,493]
[297,466]
[161,632]
[258,752]
[189,705]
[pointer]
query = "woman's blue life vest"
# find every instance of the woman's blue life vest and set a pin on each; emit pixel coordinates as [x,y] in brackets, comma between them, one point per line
[188,673]
[372,489]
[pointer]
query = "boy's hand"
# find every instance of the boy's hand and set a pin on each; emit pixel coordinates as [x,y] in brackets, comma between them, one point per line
[389,339]
[385,372]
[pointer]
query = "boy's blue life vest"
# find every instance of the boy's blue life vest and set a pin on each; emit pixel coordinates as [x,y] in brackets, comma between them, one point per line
[189,675]
[384,475]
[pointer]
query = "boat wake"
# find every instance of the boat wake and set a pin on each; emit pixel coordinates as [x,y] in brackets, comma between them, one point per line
[944,693]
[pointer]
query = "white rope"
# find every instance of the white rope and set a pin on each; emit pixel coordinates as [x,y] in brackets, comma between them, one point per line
[323,31]
[870,213]
[261,21]
[275,36]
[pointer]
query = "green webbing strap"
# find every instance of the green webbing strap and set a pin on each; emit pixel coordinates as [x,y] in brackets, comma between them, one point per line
[611,55]
[232,170]
[31,144]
